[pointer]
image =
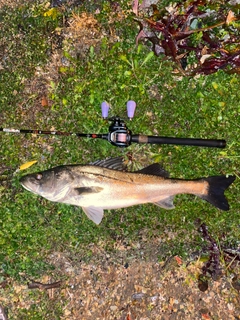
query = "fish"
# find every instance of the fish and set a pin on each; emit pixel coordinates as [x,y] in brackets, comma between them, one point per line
[106,184]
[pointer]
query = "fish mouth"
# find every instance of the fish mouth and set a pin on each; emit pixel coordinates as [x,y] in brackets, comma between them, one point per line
[28,185]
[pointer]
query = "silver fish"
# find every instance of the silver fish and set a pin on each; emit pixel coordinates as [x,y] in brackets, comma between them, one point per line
[105,185]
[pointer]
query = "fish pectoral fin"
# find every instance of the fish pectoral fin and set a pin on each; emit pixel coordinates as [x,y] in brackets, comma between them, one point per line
[94,213]
[86,190]
[166,203]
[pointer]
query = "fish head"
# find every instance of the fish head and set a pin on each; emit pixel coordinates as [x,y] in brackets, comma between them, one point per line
[52,184]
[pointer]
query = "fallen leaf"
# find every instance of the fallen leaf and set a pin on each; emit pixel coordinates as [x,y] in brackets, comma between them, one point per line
[129,317]
[178,259]
[202,283]
[27,165]
[44,102]
[204,57]
[230,17]
[53,12]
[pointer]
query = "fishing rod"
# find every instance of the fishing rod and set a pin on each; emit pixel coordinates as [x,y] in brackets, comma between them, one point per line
[120,136]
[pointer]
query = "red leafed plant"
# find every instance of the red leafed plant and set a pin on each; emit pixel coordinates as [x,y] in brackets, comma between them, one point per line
[218,258]
[200,36]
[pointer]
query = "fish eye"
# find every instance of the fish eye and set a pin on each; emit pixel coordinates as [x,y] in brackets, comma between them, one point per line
[39,176]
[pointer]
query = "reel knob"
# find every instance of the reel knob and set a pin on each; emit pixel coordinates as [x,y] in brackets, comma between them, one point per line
[131,106]
[105,108]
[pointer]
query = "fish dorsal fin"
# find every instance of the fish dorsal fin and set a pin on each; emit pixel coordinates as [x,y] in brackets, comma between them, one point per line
[154,169]
[166,203]
[94,213]
[111,163]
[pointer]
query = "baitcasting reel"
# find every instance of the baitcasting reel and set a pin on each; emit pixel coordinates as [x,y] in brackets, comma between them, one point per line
[119,135]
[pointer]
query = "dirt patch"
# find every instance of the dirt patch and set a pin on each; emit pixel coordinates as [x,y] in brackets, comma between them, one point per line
[126,286]
[142,289]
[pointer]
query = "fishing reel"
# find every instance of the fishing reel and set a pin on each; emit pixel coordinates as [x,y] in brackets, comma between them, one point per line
[119,135]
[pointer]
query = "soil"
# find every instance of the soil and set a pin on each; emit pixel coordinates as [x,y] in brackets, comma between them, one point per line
[128,284]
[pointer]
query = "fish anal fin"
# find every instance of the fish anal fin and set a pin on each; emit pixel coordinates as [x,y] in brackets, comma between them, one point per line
[94,213]
[86,190]
[155,169]
[166,203]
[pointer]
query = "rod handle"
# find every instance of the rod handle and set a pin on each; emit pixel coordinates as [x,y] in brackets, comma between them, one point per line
[178,141]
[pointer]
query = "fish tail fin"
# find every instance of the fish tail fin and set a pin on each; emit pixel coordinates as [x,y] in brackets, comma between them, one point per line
[216,187]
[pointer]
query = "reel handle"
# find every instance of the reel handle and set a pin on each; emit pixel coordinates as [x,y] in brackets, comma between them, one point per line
[105,108]
[131,106]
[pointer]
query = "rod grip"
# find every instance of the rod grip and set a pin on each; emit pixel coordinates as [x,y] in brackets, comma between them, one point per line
[179,141]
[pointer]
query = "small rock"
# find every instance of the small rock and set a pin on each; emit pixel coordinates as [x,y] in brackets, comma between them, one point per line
[113,308]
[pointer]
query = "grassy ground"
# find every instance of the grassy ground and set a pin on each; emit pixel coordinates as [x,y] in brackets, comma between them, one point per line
[57,66]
